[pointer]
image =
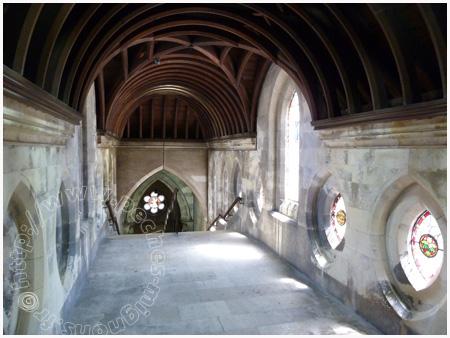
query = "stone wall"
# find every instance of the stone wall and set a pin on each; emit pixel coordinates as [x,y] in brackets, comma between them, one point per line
[138,161]
[52,198]
[373,166]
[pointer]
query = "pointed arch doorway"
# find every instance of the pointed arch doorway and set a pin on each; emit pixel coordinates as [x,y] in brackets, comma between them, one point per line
[151,200]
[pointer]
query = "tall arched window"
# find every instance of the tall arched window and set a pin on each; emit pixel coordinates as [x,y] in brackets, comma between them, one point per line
[292,149]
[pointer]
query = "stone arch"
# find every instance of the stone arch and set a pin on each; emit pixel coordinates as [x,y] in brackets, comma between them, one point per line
[25,267]
[287,88]
[151,177]
[98,201]
[67,223]
[255,197]
[320,195]
[212,186]
[222,166]
[201,199]
[236,176]
[402,198]
[273,106]
[273,100]
[225,191]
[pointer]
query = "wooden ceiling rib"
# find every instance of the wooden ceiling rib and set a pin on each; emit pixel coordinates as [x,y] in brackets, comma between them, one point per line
[437,37]
[211,59]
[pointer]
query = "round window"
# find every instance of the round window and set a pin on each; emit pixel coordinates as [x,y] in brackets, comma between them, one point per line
[154,202]
[425,256]
[338,222]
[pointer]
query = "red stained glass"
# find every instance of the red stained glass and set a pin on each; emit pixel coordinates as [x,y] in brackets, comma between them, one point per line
[428,246]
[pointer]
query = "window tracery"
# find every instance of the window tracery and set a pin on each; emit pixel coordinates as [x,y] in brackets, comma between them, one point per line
[154,202]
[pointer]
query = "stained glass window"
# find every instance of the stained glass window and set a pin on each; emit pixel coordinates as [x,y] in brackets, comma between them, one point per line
[292,149]
[154,202]
[338,220]
[427,246]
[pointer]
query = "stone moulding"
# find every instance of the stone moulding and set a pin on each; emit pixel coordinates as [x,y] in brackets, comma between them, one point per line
[243,143]
[105,139]
[410,111]
[32,116]
[160,145]
[17,87]
[37,128]
[424,132]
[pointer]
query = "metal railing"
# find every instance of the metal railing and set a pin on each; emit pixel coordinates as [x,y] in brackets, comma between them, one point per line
[227,213]
[169,211]
[113,219]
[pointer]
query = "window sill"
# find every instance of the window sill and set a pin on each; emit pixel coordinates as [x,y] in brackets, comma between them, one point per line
[283,218]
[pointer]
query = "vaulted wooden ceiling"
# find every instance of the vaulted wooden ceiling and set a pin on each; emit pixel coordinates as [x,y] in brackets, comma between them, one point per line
[194,71]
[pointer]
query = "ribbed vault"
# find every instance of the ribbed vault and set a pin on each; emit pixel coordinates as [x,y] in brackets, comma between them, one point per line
[353,62]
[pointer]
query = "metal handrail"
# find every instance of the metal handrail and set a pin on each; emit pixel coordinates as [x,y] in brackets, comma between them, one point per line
[236,201]
[113,218]
[175,191]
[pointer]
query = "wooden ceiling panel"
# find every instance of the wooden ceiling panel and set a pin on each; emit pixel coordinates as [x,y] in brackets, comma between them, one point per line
[209,60]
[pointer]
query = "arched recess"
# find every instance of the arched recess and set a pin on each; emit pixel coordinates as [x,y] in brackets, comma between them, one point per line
[212,183]
[220,192]
[267,131]
[98,196]
[126,211]
[225,190]
[273,105]
[66,232]
[321,194]
[236,190]
[287,203]
[255,195]
[236,176]
[396,210]
[151,207]
[24,262]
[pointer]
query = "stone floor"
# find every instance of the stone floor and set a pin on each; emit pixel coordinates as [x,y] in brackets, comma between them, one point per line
[209,283]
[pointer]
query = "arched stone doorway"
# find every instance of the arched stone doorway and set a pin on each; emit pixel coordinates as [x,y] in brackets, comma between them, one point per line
[187,214]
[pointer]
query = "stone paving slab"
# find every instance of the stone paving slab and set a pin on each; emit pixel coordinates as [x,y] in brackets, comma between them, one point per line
[209,283]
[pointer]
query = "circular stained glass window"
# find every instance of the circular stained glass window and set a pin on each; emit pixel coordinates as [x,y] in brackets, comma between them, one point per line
[338,220]
[154,202]
[427,246]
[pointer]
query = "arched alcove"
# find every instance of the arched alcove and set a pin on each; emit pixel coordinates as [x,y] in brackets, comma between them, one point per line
[404,199]
[237,180]
[225,190]
[62,233]
[66,233]
[221,188]
[323,195]
[23,266]
[212,183]
[153,205]
[188,207]
[255,197]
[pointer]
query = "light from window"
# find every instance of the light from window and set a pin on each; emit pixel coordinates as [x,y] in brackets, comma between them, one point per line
[154,202]
[338,222]
[292,149]
[426,251]
[260,196]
